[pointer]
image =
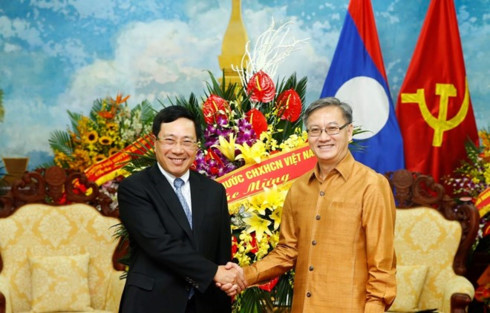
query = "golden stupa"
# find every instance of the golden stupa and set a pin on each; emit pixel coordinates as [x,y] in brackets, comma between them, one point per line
[233,46]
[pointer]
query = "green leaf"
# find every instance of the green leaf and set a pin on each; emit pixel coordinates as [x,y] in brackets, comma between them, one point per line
[61,141]
[283,291]
[254,300]
[74,119]
[96,107]
[147,113]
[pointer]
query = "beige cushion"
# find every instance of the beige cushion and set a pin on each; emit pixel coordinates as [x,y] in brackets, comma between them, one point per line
[424,237]
[43,230]
[409,281]
[60,283]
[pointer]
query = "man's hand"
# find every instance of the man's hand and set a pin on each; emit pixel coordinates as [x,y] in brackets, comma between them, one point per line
[230,279]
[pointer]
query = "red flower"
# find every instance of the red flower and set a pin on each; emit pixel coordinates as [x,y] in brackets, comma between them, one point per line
[234,246]
[211,155]
[261,87]
[258,121]
[482,293]
[288,105]
[113,107]
[62,200]
[269,285]
[215,107]
[253,243]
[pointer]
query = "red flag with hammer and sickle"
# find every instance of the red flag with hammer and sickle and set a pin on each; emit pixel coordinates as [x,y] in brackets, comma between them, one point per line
[434,108]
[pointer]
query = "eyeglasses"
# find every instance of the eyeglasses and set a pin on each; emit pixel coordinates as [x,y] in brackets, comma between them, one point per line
[172,142]
[316,131]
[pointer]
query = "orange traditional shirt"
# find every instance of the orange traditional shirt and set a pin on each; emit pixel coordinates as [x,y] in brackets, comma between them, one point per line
[339,236]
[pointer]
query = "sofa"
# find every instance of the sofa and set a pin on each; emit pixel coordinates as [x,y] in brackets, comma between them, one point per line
[433,236]
[58,252]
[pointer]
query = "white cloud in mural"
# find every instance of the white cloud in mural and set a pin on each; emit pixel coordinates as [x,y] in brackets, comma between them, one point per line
[152,60]
[21,29]
[64,54]
[72,49]
[22,127]
[102,9]
[9,48]
[168,58]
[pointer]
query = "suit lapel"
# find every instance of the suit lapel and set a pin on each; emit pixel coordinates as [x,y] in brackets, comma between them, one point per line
[168,198]
[198,197]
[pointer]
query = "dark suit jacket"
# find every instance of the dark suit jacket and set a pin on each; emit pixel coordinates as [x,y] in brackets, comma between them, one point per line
[167,257]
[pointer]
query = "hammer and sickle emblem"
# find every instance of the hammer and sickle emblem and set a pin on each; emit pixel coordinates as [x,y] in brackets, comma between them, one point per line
[441,123]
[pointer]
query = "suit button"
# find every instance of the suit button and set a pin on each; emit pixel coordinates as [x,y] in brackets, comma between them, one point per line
[313,242]
[308,294]
[311,268]
[317,217]
[322,193]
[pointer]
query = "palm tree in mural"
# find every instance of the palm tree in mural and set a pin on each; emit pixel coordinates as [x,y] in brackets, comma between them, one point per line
[2,112]
[3,183]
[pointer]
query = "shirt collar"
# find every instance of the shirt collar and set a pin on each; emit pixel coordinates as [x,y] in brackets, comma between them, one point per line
[344,168]
[171,177]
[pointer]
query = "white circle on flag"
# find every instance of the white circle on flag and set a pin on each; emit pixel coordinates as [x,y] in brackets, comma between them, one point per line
[369,102]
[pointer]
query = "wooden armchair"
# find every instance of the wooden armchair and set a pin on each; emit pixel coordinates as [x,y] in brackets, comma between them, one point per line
[433,236]
[57,250]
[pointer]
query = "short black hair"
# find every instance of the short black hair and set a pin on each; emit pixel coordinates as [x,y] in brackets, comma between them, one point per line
[172,113]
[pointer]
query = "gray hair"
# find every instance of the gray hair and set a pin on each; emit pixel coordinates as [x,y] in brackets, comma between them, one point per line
[326,102]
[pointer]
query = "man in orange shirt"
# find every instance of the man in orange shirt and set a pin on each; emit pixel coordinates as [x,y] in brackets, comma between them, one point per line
[337,227]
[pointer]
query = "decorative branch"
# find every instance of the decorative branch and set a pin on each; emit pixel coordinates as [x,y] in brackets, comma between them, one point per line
[271,48]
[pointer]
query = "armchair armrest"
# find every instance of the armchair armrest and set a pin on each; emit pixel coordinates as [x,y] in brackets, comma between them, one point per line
[5,303]
[114,291]
[458,294]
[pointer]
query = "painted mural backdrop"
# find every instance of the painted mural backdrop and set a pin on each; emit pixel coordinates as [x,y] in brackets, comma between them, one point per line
[64,55]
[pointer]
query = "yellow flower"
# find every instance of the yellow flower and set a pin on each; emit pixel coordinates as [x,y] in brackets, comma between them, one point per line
[274,239]
[254,154]
[91,137]
[256,204]
[234,208]
[263,246]
[227,147]
[113,151]
[243,259]
[105,140]
[269,141]
[258,225]
[112,126]
[274,197]
[294,141]
[98,158]
[276,217]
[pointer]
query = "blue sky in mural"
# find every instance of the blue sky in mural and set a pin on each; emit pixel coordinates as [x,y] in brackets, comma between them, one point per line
[63,54]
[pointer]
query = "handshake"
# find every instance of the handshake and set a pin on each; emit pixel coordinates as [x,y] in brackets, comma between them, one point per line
[230,279]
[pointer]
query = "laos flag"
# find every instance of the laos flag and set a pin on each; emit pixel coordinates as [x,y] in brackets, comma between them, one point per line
[357,77]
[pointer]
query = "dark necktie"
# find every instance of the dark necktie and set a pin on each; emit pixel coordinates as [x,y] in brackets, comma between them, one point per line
[178,183]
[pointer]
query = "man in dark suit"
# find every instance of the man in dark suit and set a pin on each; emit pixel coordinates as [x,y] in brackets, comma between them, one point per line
[179,228]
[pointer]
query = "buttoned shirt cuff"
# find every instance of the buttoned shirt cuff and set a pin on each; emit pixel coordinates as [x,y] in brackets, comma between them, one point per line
[374,307]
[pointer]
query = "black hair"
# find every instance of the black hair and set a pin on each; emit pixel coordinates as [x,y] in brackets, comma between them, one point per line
[172,113]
